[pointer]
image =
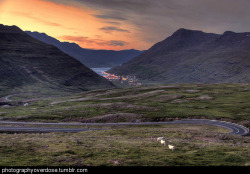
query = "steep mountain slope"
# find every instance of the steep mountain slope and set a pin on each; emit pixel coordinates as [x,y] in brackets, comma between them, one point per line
[27,61]
[90,58]
[190,56]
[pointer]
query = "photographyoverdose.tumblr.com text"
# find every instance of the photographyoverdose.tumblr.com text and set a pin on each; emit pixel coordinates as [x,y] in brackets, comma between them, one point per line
[43,170]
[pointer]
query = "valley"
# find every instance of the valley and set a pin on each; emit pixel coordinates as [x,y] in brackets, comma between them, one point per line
[88,57]
[56,111]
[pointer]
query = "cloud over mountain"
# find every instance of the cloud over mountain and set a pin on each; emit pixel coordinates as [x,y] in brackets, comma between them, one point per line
[140,23]
[161,17]
[86,40]
[109,29]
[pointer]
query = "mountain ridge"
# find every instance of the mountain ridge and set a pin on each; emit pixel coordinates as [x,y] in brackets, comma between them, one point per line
[191,56]
[91,58]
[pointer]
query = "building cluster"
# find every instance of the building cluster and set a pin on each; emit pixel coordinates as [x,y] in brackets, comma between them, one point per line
[131,80]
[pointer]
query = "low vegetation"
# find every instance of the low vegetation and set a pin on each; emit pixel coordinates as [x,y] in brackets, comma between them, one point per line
[195,145]
[149,103]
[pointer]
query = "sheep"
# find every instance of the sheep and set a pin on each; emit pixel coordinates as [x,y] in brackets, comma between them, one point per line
[163,142]
[171,147]
[160,138]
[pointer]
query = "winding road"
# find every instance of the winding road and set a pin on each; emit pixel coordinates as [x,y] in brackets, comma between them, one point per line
[236,129]
[7,97]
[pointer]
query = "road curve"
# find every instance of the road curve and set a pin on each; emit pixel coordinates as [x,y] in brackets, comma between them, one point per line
[236,129]
[7,98]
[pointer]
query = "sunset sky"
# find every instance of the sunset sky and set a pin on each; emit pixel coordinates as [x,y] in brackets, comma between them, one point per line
[124,24]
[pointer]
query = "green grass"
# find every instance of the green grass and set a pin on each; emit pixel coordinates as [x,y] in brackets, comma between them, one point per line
[227,101]
[127,146]
[196,145]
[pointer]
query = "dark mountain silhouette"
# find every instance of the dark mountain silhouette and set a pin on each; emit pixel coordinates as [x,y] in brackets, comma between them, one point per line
[190,56]
[26,61]
[90,58]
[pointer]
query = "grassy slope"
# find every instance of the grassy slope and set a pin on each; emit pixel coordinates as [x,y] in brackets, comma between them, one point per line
[128,146]
[196,145]
[153,103]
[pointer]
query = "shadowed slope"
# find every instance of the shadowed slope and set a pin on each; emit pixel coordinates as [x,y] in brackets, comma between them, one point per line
[194,57]
[27,61]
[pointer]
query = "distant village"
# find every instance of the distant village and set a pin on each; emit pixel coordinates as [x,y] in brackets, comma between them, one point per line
[130,80]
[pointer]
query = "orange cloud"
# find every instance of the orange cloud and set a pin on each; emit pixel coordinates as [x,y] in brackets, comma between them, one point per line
[83,41]
[36,19]
[59,20]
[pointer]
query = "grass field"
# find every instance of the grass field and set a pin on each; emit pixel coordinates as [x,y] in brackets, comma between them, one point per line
[196,145]
[127,146]
[148,103]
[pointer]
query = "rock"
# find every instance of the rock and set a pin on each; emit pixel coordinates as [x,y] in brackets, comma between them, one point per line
[45,146]
[78,142]
[6,106]
[116,162]
[204,97]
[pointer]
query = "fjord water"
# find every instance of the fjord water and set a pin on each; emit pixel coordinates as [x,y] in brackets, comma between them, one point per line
[100,70]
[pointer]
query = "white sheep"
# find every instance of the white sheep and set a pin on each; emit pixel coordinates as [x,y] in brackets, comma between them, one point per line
[163,142]
[160,138]
[171,147]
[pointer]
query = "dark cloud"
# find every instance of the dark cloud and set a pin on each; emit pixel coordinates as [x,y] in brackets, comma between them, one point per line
[110,4]
[112,22]
[153,20]
[110,29]
[116,43]
[89,41]
[110,16]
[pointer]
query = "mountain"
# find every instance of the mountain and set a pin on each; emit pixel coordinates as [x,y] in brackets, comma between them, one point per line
[91,58]
[190,56]
[25,61]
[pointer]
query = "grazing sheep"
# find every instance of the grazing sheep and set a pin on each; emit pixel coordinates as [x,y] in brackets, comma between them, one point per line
[163,142]
[171,147]
[160,138]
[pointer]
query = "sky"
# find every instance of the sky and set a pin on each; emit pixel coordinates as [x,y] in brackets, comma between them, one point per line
[124,24]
